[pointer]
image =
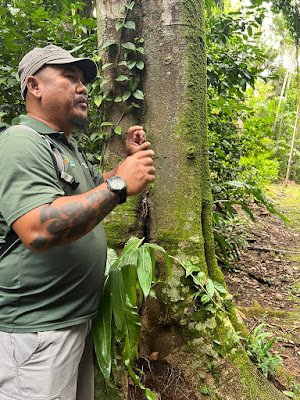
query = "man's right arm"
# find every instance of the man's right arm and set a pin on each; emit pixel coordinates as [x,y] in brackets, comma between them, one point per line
[68,218]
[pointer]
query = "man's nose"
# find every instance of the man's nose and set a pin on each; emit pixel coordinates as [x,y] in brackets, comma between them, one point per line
[81,88]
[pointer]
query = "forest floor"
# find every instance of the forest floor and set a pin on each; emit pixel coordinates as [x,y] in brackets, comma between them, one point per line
[265,282]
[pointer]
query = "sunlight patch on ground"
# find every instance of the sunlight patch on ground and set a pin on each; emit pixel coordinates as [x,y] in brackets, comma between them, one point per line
[287,200]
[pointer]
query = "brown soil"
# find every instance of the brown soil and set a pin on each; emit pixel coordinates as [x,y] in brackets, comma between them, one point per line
[266,285]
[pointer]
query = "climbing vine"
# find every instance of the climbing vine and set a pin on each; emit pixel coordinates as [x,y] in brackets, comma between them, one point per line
[119,84]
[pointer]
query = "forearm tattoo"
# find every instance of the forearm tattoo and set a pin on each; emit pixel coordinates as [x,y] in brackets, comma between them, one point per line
[74,219]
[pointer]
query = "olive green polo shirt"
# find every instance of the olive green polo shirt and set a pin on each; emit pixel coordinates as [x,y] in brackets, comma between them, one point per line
[59,287]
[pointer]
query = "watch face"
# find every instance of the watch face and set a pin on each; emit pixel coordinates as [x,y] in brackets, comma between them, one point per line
[117,183]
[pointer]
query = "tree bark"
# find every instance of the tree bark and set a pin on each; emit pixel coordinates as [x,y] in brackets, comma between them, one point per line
[202,347]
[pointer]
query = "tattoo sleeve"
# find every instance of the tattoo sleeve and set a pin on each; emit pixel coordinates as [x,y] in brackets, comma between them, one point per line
[68,222]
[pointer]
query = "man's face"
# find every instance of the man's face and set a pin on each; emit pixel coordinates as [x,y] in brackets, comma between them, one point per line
[63,95]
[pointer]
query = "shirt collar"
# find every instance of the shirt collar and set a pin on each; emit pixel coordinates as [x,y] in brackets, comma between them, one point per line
[37,125]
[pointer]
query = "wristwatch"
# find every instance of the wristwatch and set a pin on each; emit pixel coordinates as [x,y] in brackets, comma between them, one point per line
[117,184]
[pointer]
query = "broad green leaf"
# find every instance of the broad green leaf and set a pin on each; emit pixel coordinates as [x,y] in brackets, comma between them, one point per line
[118,130]
[108,43]
[220,288]
[149,394]
[121,78]
[130,64]
[94,136]
[132,333]
[238,184]
[190,268]
[140,50]
[106,123]
[132,245]
[138,94]
[119,25]
[130,5]
[140,64]
[247,209]
[118,298]
[126,95]
[129,25]
[98,100]
[129,253]
[210,287]
[111,258]
[144,270]
[205,298]
[130,279]
[75,49]
[102,333]
[153,261]
[200,279]
[129,46]
[135,105]
[167,259]
[289,394]
[118,99]
[129,258]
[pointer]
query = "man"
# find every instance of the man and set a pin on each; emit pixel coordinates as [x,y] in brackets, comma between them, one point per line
[50,284]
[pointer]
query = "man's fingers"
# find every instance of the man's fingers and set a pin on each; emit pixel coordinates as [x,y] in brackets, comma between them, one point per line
[145,153]
[145,146]
[134,128]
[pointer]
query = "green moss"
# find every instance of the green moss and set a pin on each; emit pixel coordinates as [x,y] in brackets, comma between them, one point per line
[255,386]
[122,223]
[259,311]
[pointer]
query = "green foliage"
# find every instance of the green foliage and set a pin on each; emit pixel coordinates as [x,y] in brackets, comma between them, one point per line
[119,85]
[132,272]
[259,350]
[245,154]
[294,392]
[227,196]
[234,58]
[26,24]
[291,11]
[210,293]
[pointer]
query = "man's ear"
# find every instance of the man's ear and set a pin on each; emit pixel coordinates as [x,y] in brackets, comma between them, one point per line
[33,87]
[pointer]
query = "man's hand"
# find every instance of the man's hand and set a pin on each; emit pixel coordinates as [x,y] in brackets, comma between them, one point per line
[138,171]
[136,140]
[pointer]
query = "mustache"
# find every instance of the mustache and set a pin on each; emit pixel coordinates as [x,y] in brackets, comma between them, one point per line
[81,99]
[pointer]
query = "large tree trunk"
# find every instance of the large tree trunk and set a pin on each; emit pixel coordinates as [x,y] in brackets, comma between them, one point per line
[189,340]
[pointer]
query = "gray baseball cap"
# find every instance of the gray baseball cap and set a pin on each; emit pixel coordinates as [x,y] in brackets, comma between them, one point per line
[53,55]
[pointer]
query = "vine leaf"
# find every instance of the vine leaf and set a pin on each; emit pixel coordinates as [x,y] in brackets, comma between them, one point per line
[140,64]
[130,5]
[108,43]
[129,46]
[138,94]
[129,25]
[118,130]
[121,78]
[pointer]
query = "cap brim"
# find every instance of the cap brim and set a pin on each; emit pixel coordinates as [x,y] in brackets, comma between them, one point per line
[87,66]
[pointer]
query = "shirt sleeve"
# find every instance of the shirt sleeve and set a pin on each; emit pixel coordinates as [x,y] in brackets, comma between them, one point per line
[29,178]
